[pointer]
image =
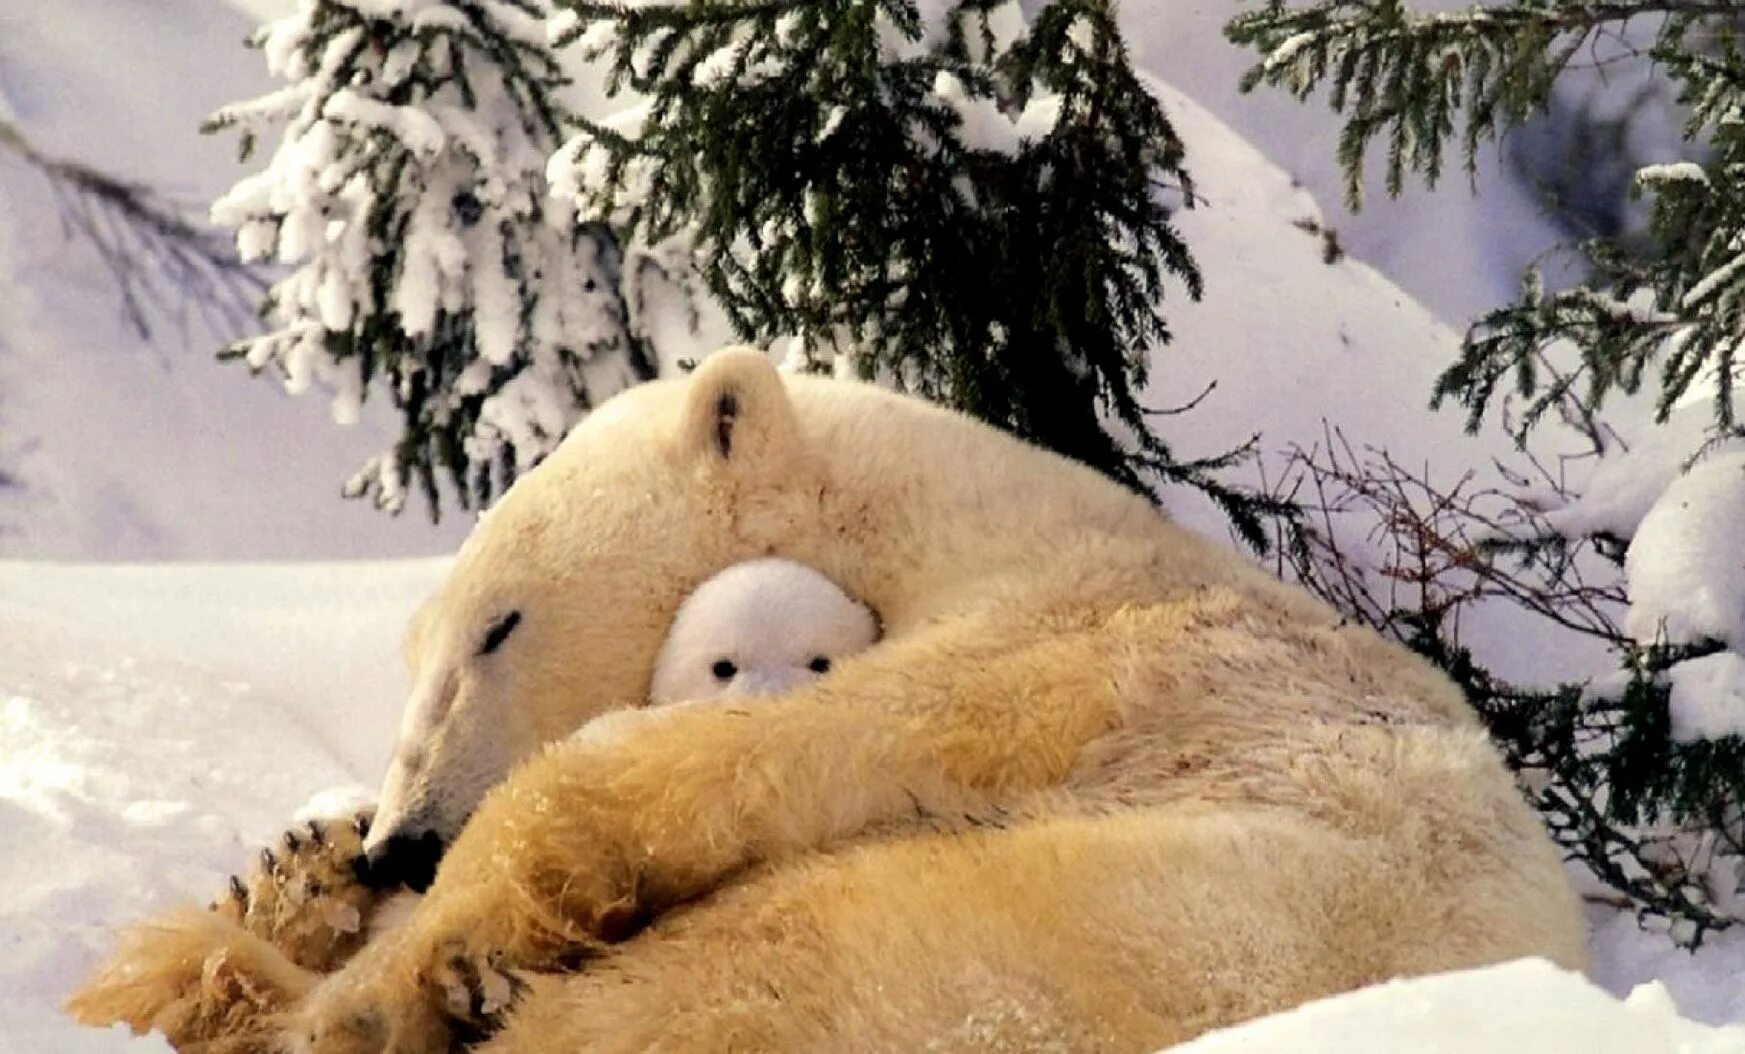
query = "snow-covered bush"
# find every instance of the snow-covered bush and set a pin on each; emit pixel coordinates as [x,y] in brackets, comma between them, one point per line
[1640,770]
[428,261]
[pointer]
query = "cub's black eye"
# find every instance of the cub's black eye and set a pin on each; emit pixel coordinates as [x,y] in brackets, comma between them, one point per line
[819,664]
[723,669]
[499,632]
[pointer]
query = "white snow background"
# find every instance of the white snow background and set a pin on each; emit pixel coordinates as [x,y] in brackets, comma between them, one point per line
[159,721]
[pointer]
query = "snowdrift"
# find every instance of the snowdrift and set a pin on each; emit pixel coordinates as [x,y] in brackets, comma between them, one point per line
[1527,1005]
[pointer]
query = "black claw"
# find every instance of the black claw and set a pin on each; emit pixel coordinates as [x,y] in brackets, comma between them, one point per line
[316,834]
[361,824]
[291,842]
[469,978]
[238,891]
[269,862]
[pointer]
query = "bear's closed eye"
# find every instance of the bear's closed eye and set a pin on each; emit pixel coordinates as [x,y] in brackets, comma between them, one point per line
[499,632]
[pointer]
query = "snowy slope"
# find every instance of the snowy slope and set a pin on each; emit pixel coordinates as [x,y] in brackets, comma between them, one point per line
[1294,344]
[1456,252]
[127,449]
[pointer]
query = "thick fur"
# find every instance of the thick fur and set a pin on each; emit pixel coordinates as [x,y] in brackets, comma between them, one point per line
[1102,785]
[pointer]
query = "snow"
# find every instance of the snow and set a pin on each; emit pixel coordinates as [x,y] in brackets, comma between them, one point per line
[1706,984]
[1672,172]
[411,126]
[1621,489]
[1529,1004]
[1708,697]
[161,722]
[982,123]
[1687,560]
[1457,253]
[1713,282]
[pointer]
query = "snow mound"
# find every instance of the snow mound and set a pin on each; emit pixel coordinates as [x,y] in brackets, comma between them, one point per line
[1524,1005]
[1687,561]
[1623,487]
[1708,697]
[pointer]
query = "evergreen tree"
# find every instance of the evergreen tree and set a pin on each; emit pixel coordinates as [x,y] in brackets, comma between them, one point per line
[1418,81]
[969,208]
[1656,815]
[430,263]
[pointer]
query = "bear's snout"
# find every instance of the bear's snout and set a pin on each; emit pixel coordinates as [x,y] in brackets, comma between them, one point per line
[401,860]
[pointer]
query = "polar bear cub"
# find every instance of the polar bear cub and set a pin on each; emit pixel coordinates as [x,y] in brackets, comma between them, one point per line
[759,627]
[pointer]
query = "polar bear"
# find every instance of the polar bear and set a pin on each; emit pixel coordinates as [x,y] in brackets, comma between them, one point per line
[1102,785]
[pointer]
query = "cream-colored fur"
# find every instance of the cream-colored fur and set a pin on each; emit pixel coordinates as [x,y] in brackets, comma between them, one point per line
[1102,785]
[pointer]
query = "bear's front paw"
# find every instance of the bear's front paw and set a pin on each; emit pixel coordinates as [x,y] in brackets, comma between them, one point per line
[456,998]
[303,894]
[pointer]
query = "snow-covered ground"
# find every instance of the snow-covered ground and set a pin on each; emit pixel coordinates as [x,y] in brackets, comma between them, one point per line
[1527,1005]
[156,722]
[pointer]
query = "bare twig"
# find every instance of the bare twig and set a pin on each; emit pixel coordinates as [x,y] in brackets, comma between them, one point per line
[162,264]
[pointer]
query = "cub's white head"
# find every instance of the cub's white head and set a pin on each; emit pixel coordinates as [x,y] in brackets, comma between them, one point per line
[758,628]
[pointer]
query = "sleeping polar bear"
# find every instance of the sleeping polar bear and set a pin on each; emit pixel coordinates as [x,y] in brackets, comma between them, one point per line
[1102,785]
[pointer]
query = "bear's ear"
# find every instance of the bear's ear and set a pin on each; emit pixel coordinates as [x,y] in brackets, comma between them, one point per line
[737,411]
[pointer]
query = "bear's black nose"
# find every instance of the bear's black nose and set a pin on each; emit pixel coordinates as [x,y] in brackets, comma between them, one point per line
[401,860]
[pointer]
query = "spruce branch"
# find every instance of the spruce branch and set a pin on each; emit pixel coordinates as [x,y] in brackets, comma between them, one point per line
[1415,81]
[432,266]
[1616,790]
[162,264]
[977,218]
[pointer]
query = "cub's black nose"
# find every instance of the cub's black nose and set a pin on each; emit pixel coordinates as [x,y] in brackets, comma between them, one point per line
[401,860]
